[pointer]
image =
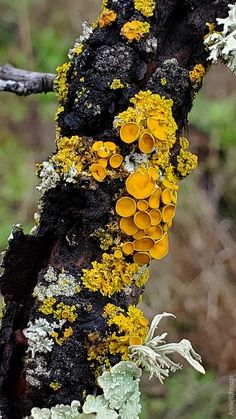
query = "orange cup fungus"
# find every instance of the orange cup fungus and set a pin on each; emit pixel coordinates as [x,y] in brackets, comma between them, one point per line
[160,248]
[128,248]
[127,226]
[135,340]
[139,234]
[144,244]
[166,196]
[168,213]
[142,220]
[125,206]
[129,132]
[154,200]
[115,161]
[142,258]
[142,205]
[146,143]
[98,172]
[155,215]
[140,185]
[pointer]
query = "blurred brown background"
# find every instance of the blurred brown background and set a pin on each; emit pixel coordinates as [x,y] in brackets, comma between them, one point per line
[197,281]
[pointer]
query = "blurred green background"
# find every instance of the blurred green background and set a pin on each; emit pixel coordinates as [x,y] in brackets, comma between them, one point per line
[196,281]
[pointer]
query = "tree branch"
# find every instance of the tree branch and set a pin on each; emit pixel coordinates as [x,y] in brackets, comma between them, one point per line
[24,82]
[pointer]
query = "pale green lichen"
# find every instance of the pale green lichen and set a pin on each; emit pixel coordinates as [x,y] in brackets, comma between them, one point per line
[2,308]
[121,393]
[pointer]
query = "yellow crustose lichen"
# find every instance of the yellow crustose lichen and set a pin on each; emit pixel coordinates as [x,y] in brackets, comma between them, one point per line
[69,154]
[132,328]
[135,30]
[197,73]
[187,162]
[60,83]
[116,84]
[110,275]
[59,311]
[146,7]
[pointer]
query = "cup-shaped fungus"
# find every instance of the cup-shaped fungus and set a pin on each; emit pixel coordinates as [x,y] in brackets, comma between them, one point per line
[146,143]
[127,226]
[156,129]
[158,233]
[135,340]
[129,132]
[140,185]
[174,196]
[168,185]
[128,248]
[160,248]
[144,244]
[115,161]
[103,162]
[166,196]
[155,215]
[125,206]
[142,258]
[142,205]
[142,220]
[139,234]
[154,173]
[154,200]
[118,254]
[168,213]
[98,172]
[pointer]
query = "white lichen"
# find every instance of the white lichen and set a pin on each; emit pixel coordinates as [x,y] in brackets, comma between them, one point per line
[223,44]
[49,177]
[38,335]
[153,356]
[134,160]
[62,284]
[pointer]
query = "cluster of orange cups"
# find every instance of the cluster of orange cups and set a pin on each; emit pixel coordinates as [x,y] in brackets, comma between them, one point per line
[107,155]
[146,215]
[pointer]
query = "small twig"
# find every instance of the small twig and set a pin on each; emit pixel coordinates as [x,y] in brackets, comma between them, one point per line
[24,82]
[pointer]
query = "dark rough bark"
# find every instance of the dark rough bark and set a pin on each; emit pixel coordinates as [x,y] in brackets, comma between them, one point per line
[70,213]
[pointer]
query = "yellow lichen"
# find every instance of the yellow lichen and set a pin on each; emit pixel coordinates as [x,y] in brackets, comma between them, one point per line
[69,154]
[197,73]
[106,18]
[187,162]
[129,325]
[163,81]
[61,85]
[135,30]
[146,7]
[110,275]
[55,385]
[116,84]
[59,311]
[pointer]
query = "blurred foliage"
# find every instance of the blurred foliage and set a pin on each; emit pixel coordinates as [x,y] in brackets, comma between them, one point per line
[187,395]
[216,119]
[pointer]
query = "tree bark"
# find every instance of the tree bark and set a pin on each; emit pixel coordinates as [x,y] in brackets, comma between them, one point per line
[70,213]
